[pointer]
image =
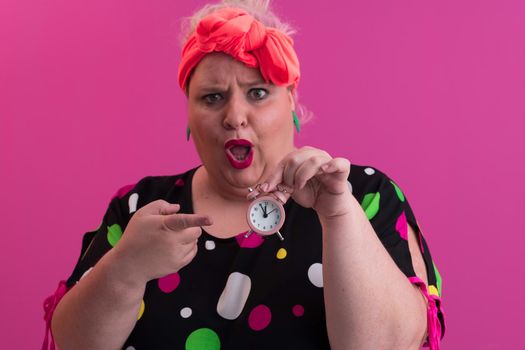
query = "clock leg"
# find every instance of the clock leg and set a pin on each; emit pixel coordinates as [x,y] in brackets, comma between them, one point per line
[248,234]
[280,235]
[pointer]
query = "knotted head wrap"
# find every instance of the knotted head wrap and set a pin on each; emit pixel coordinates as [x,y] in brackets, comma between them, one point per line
[236,33]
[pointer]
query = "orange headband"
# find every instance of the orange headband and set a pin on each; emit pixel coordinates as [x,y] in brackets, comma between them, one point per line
[236,33]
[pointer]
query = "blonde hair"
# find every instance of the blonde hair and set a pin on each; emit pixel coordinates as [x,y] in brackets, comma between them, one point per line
[258,9]
[261,11]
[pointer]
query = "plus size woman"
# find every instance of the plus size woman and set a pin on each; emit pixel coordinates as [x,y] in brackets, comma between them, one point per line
[175,263]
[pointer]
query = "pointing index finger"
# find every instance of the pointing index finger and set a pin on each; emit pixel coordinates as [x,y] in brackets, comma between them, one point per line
[178,222]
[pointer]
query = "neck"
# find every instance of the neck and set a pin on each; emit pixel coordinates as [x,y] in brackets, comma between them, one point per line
[209,187]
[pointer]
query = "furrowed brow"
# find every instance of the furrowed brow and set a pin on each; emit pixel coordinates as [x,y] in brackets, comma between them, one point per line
[252,82]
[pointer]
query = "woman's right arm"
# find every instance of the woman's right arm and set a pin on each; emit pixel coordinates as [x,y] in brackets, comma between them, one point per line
[101,310]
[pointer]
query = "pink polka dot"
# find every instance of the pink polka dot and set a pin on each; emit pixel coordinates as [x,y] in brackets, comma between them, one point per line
[169,283]
[123,191]
[259,317]
[179,182]
[401,226]
[253,241]
[298,310]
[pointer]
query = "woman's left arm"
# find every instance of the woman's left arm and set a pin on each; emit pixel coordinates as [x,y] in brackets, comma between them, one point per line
[370,303]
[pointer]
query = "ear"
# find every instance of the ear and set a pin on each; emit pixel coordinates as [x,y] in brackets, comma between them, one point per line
[291,96]
[187,89]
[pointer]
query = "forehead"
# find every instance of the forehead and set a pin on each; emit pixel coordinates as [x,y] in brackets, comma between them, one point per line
[218,69]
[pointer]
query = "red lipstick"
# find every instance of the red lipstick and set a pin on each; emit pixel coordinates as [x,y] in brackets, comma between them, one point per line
[239,152]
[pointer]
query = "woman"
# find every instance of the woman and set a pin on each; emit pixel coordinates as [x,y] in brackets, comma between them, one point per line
[172,266]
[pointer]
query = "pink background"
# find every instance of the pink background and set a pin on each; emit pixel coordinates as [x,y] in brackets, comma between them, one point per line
[432,93]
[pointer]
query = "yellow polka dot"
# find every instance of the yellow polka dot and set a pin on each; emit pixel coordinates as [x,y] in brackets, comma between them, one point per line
[433,290]
[281,254]
[141,311]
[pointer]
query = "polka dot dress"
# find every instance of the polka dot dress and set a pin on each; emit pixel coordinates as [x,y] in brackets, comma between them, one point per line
[255,292]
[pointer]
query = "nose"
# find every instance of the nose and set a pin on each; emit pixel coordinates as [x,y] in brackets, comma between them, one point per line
[235,113]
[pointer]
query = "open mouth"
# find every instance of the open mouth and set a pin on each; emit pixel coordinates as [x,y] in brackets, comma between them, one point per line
[239,152]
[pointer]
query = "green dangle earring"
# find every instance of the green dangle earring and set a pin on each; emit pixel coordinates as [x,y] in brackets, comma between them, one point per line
[188,132]
[296,122]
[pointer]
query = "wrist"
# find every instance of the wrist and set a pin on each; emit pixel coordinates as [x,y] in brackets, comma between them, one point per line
[123,273]
[340,206]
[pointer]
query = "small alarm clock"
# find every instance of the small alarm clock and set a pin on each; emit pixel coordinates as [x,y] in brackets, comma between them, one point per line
[265,216]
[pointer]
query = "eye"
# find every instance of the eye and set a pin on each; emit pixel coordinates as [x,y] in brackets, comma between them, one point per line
[212,98]
[258,93]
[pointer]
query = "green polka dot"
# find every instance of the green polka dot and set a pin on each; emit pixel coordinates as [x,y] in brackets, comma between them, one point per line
[203,339]
[399,193]
[114,234]
[438,278]
[370,204]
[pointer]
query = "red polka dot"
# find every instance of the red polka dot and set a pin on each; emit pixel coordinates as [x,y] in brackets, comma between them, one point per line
[401,226]
[123,191]
[259,317]
[298,310]
[169,283]
[179,182]
[253,241]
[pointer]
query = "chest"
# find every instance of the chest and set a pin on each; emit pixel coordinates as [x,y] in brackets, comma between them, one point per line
[257,293]
[228,219]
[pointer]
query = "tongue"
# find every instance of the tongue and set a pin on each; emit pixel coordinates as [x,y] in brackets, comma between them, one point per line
[240,152]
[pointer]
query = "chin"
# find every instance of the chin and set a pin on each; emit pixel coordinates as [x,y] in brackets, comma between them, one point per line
[243,177]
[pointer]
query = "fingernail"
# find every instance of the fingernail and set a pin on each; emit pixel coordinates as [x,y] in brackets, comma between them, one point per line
[253,195]
[325,167]
[265,186]
[280,196]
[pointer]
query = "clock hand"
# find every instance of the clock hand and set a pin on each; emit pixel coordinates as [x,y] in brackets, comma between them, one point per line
[264,210]
[271,211]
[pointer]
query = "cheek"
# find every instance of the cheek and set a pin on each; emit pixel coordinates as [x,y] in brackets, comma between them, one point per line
[203,131]
[276,125]
[200,121]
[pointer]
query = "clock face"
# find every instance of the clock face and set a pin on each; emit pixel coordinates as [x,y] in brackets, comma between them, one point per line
[265,215]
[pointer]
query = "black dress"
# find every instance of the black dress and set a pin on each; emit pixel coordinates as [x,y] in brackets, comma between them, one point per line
[251,293]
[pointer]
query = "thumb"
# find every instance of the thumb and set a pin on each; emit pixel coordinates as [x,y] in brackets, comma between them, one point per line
[169,208]
[160,207]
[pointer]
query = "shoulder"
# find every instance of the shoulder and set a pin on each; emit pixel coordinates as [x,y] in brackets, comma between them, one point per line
[154,187]
[366,179]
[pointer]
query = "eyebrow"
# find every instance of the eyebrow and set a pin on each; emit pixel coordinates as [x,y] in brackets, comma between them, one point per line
[217,86]
[253,82]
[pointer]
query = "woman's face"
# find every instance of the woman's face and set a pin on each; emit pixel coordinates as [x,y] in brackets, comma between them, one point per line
[241,126]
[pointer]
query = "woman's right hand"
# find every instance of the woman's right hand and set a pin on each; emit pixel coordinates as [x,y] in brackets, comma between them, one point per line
[158,241]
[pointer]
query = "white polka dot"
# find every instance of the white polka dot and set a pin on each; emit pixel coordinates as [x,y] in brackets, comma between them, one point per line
[130,348]
[86,273]
[132,202]
[350,187]
[370,171]
[209,245]
[186,312]
[315,274]
[234,296]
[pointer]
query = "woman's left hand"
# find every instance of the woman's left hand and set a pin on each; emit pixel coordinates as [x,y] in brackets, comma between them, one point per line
[314,180]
